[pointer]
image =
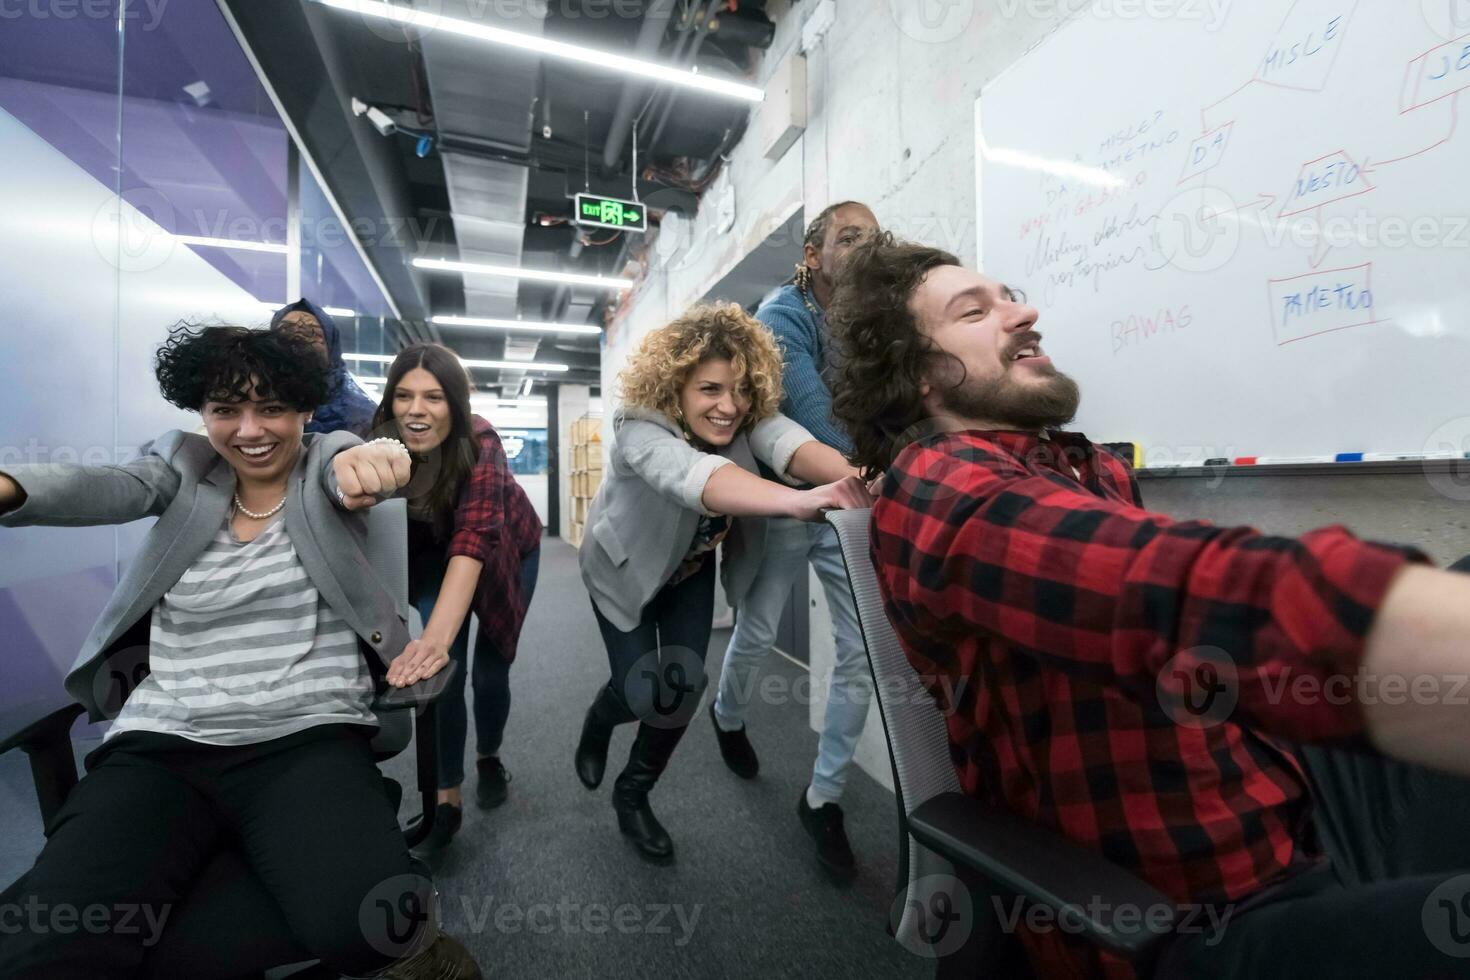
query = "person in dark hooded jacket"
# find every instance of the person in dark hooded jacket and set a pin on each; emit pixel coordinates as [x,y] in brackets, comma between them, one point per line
[347,406]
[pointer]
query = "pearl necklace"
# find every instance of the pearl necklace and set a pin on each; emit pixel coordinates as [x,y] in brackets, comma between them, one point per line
[259,517]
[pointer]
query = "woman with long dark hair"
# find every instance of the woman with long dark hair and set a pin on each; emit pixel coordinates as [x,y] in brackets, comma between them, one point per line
[474,545]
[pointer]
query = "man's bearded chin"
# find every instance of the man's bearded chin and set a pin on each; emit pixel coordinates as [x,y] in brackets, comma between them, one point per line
[1049,404]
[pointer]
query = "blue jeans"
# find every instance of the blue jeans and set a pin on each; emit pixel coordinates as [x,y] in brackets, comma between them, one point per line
[658,666]
[790,544]
[490,678]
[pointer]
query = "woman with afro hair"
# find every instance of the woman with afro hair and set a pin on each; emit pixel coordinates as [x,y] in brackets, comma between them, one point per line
[236,661]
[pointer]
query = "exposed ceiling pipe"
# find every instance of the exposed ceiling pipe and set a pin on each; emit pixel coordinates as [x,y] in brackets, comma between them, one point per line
[553,158]
[701,32]
[656,19]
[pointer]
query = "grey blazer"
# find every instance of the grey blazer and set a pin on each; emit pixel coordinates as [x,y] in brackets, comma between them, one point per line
[182,481]
[643,519]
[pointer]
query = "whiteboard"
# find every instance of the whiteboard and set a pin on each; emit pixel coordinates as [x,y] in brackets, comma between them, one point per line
[1247,235]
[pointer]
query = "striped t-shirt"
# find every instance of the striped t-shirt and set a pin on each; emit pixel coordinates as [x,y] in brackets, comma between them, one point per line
[243,649]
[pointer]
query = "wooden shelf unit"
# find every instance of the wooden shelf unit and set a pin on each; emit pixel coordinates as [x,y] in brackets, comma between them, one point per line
[586,474]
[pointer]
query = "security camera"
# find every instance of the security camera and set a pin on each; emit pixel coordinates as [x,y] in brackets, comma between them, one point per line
[381,122]
[380,119]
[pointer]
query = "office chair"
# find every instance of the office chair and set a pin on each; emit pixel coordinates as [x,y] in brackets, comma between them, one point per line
[961,858]
[226,892]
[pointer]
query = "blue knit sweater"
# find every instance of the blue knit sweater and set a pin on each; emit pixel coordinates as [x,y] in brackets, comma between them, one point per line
[803,339]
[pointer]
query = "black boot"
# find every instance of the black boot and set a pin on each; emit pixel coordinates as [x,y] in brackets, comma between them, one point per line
[607,712]
[651,751]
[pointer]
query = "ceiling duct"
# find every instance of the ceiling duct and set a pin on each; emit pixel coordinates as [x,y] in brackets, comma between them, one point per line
[488,202]
[486,98]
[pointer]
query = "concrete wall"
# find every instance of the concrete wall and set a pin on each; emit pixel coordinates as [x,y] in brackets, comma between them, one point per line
[891,92]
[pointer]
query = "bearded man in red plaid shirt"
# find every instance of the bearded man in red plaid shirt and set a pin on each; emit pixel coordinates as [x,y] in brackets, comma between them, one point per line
[1118,675]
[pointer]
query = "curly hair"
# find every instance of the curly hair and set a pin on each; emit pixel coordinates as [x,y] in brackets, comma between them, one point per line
[658,369]
[230,364]
[883,358]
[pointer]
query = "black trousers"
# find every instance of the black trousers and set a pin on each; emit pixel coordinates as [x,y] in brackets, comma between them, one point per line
[173,858]
[1317,926]
[1395,900]
[658,666]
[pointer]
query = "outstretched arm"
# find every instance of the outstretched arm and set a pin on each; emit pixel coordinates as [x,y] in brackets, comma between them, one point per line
[731,490]
[70,495]
[427,655]
[714,484]
[817,462]
[1168,612]
[1417,663]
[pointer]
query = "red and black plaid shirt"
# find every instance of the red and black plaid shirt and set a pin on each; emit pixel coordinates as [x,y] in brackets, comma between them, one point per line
[1061,627]
[495,524]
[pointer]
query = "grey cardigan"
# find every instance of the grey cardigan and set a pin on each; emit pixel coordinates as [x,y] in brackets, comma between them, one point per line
[642,522]
[182,481]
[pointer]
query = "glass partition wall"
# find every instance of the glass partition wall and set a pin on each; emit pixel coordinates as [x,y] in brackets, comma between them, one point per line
[147,183]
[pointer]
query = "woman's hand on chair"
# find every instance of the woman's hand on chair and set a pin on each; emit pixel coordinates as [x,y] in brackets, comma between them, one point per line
[421,659]
[846,494]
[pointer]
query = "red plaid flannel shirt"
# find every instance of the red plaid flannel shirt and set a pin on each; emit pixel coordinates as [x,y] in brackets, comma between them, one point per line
[1042,605]
[495,524]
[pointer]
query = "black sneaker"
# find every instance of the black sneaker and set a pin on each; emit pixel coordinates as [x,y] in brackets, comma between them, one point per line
[447,820]
[735,749]
[494,783]
[834,853]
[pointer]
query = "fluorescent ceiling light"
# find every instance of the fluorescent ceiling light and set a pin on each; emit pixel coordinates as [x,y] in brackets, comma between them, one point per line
[368,381]
[520,403]
[231,243]
[605,60]
[514,365]
[524,325]
[488,365]
[1062,169]
[536,275]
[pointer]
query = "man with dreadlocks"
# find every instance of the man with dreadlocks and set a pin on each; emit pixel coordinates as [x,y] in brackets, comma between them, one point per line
[796,315]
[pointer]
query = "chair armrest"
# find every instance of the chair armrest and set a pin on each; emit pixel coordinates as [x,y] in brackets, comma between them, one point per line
[42,730]
[1086,891]
[38,723]
[419,695]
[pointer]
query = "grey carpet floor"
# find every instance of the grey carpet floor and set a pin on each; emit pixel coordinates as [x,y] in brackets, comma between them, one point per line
[545,886]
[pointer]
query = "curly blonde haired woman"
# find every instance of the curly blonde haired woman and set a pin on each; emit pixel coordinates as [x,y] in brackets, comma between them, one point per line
[698,422]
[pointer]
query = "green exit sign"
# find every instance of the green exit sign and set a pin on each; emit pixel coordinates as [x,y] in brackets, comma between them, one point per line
[609,212]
